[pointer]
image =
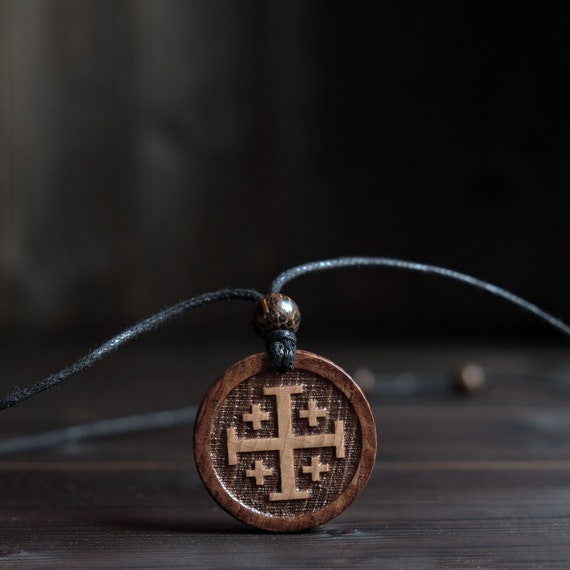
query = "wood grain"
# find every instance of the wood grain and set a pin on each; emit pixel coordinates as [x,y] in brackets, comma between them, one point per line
[459,483]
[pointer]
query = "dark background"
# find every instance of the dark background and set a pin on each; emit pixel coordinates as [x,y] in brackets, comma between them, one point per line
[152,150]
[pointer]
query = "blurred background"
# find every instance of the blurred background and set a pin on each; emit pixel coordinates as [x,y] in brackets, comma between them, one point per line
[150,151]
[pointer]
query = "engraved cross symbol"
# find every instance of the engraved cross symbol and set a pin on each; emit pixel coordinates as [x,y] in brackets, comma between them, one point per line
[259,472]
[285,444]
[313,413]
[256,416]
[316,468]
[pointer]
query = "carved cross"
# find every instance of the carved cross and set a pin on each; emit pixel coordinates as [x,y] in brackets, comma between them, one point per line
[316,468]
[285,443]
[313,413]
[259,472]
[256,416]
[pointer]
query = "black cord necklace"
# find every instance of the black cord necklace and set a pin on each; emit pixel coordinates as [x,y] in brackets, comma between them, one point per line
[285,440]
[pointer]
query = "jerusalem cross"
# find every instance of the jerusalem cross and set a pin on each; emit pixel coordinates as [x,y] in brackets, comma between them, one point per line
[286,442]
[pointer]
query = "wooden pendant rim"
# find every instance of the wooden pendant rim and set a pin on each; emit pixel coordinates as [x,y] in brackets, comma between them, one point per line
[256,364]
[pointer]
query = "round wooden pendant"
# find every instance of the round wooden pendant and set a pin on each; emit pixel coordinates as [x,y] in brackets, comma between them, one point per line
[285,452]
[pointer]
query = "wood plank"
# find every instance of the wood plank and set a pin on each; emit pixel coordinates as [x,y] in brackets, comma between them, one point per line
[460,483]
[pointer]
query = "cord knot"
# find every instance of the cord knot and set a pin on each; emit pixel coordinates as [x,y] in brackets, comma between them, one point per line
[281,346]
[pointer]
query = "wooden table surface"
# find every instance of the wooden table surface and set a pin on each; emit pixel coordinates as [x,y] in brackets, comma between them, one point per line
[460,482]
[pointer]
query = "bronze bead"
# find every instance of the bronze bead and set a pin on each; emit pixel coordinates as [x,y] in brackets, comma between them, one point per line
[275,311]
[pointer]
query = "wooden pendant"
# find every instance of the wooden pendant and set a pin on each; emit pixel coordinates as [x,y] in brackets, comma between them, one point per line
[285,452]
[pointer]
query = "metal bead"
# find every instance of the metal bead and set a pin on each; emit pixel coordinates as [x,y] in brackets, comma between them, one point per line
[273,312]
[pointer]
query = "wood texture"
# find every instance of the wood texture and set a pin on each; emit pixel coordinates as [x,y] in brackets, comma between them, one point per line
[480,482]
[265,467]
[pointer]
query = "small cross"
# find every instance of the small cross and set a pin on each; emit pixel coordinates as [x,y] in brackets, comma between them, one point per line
[256,416]
[260,472]
[313,413]
[316,468]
